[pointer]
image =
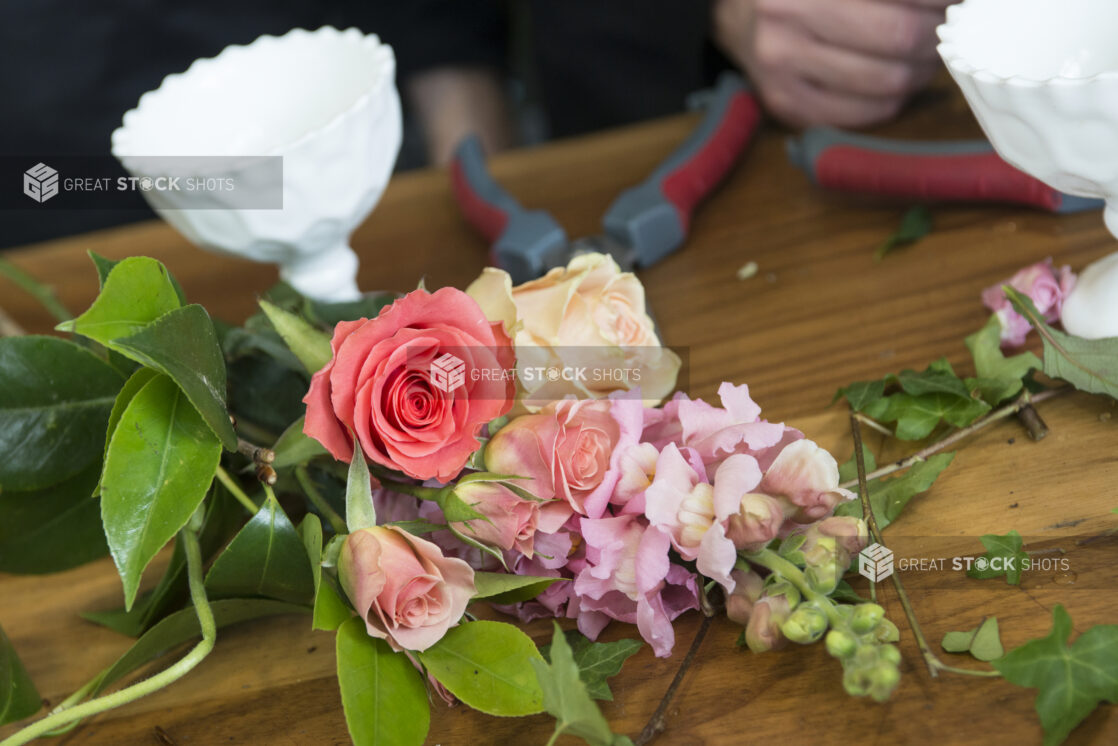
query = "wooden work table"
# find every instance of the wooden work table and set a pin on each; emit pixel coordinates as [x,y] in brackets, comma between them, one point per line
[818,314]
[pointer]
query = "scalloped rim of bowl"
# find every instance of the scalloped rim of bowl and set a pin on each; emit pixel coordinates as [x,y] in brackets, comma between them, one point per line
[121,136]
[955,61]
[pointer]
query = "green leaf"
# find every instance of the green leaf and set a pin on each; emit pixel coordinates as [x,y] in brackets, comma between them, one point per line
[418,527]
[266,558]
[18,696]
[1088,364]
[52,529]
[223,518]
[139,378]
[999,377]
[182,344]
[848,470]
[506,588]
[983,642]
[310,345]
[565,697]
[329,314]
[597,661]
[55,398]
[1004,557]
[160,463]
[330,611]
[485,664]
[359,510]
[105,265]
[917,416]
[295,447]
[383,695]
[1071,680]
[182,626]
[863,396]
[890,495]
[915,224]
[136,292]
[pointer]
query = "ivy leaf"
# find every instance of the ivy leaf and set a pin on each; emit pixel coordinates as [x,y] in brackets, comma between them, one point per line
[266,558]
[1088,364]
[915,224]
[848,471]
[55,398]
[160,464]
[1004,556]
[295,447]
[310,345]
[983,642]
[52,529]
[890,495]
[18,696]
[137,291]
[597,661]
[359,510]
[383,695]
[182,344]
[917,416]
[999,377]
[485,664]
[1071,680]
[507,588]
[867,397]
[565,698]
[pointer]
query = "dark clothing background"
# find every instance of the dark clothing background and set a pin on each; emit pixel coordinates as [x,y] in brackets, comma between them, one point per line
[73,67]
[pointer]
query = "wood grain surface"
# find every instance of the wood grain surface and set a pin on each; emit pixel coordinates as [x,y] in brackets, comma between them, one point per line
[818,314]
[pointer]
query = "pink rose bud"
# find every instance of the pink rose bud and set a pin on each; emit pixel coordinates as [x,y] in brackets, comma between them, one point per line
[756,523]
[1044,285]
[406,590]
[512,520]
[748,587]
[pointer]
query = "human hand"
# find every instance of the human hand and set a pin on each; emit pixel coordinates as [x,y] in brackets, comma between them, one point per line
[845,63]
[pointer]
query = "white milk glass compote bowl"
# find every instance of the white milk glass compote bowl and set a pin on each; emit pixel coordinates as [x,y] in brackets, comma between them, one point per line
[1042,78]
[324,101]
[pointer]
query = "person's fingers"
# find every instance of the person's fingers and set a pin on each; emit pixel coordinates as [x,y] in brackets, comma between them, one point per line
[787,47]
[798,102]
[885,28]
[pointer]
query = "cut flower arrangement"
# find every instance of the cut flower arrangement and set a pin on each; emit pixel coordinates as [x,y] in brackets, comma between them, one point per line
[513,446]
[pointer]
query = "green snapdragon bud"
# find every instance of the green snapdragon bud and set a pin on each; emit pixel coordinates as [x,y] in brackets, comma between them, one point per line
[866,617]
[841,644]
[883,680]
[806,625]
[886,631]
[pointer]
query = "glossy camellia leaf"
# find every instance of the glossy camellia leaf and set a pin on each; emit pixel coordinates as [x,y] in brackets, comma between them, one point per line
[137,291]
[182,344]
[160,463]
[486,665]
[330,611]
[18,696]
[182,626]
[52,529]
[565,698]
[999,377]
[890,495]
[597,661]
[1004,557]
[105,265]
[383,695]
[310,345]
[266,558]
[506,588]
[1071,679]
[1088,364]
[55,398]
[295,447]
[132,386]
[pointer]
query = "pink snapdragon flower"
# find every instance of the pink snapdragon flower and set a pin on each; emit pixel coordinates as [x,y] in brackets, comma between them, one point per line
[1044,285]
[807,477]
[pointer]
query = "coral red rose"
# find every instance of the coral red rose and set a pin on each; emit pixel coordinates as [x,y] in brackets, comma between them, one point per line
[391,383]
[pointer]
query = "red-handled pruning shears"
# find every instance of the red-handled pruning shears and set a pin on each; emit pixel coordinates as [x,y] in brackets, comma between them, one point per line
[642,226]
[960,171]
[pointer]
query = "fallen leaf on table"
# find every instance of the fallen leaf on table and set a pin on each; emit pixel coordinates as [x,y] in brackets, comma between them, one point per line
[915,224]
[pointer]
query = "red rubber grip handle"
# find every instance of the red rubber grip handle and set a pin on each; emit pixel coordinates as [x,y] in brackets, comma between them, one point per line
[487,218]
[686,184]
[978,177]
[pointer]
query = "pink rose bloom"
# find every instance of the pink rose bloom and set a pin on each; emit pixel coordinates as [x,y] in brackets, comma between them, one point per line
[807,477]
[512,520]
[629,577]
[1044,285]
[405,589]
[569,451]
[379,385]
[714,432]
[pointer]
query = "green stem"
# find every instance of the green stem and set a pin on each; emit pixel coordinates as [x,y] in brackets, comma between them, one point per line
[236,491]
[785,569]
[56,720]
[415,490]
[315,496]
[36,289]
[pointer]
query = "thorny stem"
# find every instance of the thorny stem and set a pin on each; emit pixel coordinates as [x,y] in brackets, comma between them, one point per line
[1026,399]
[935,665]
[236,491]
[655,723]
[63,717]
[319,502]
